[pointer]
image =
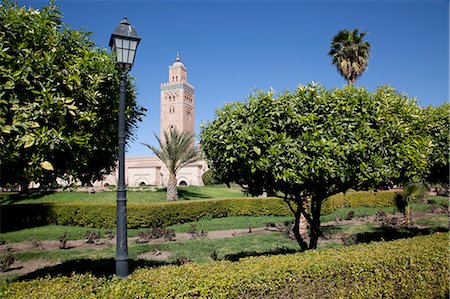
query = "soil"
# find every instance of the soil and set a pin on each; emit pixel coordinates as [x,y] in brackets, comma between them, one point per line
[20,268]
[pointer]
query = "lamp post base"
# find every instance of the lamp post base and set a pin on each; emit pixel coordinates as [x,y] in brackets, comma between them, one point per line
[122,266]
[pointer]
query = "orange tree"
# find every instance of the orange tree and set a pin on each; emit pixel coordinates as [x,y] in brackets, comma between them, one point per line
[313,143]
[59,100]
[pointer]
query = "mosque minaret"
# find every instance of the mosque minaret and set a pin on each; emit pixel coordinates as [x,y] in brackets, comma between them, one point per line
[177,100]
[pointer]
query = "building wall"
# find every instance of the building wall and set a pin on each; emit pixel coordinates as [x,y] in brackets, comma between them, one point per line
[152,171]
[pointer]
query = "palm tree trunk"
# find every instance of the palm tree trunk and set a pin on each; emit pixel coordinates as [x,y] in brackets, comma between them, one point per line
[408,215]
[172,193]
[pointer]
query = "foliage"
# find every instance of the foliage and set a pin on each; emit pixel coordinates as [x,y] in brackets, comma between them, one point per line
[357,199]
[350,54]
[6,259]
[438,128]
[59,100]
[14,217]
[62,241]
[408,268]
[176,151]
[209,178]
[412,193]
[313,143]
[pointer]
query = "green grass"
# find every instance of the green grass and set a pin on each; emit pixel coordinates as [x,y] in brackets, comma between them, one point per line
[51,232]
[109,197]
[359,212]
[198,250]
[439,221]
[233,222]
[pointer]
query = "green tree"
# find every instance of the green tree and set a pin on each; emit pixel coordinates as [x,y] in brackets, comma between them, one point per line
[176,151]
[350,54]
[59,100]
[438,128]
[313,143]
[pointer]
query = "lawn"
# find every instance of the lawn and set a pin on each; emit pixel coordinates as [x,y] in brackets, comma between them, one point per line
[134,196]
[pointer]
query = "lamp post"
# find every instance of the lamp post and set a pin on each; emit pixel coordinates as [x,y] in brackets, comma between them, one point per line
[124,41]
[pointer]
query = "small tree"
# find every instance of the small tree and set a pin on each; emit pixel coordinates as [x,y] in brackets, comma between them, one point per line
[412,193]
[176,151]
[350,54]
[313,143]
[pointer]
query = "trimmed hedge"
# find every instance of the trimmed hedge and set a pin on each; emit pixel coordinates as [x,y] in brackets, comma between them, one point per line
[358,199]
[408,268]
[167,213]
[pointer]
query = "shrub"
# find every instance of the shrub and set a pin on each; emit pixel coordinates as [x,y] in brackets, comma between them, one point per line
[358,199]
[208,178]
[169,213]
[92,237]
[62,241]
[408,268]
[6,259]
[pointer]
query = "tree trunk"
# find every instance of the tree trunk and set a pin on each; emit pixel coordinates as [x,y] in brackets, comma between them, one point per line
[316,205]
[172,193]
[408,214]
[297,225]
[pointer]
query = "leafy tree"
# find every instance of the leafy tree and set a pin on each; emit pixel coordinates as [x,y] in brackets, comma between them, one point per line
[176,151]
[59,100]
[313,143]
[350,54]
[438,128]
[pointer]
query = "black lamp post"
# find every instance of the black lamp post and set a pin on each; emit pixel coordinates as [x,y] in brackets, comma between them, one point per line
[123,43]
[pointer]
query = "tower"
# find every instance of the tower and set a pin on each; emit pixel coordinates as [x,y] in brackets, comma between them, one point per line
[177,101]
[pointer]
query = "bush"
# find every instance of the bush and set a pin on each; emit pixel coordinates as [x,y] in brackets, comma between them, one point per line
[408,268]
[359,199]
[208,178]
[6,259]
[168,213]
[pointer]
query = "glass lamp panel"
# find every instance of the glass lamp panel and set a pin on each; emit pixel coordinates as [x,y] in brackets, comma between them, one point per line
[118,42]
[125,55]
[119,52]
[131,56]
[126,44]
[133,45]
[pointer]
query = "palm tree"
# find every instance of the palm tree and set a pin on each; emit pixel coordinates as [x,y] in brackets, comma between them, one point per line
[413,192]
[176,152]
[350,54]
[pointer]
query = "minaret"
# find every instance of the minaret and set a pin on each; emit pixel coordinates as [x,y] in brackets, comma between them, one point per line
[177,100]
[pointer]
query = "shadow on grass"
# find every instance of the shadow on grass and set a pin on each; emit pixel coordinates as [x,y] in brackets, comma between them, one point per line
[237,256]
[101,267]
[189,194]
[10,199]
[387,233]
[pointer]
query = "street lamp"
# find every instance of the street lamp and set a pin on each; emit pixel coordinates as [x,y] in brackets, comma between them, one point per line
[124,41]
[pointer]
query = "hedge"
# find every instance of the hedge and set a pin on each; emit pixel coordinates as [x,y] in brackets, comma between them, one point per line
[168,213]
[408,268]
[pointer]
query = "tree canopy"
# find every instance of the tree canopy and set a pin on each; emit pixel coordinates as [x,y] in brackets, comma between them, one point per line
[438,128]
[350,54]
[313,143]
[59,98]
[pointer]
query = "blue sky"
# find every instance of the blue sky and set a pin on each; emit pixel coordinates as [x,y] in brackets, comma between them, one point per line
[232,48]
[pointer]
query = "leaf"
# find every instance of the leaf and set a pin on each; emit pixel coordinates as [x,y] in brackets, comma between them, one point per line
[47,165]
[29,143]
[257,150]
[6,129]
